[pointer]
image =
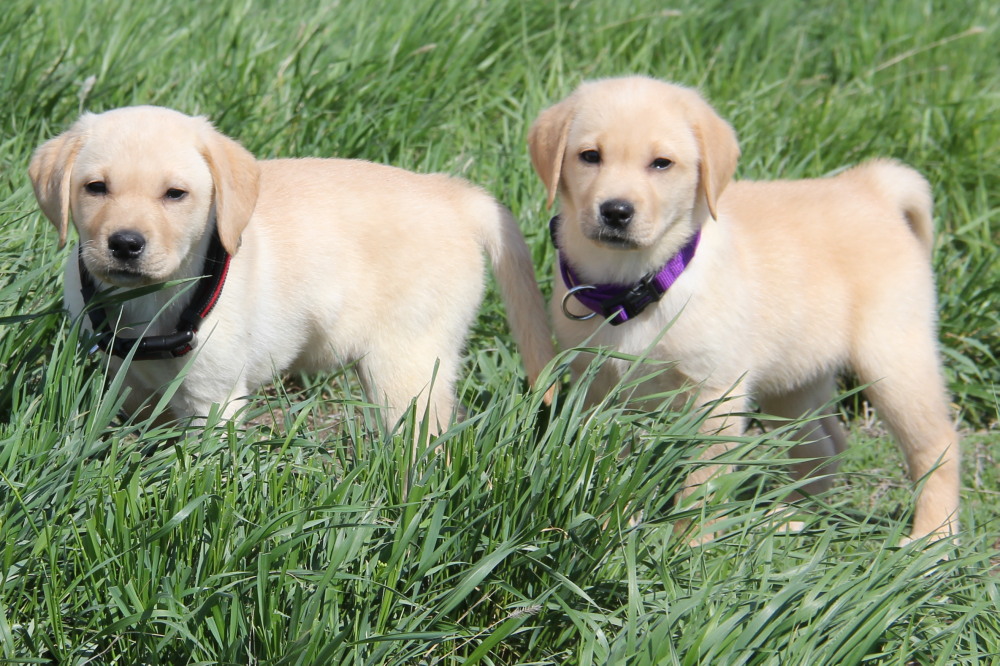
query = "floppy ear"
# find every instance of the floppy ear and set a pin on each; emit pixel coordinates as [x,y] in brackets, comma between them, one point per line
[50,170]
[236,178]
[547,143]
[719,149]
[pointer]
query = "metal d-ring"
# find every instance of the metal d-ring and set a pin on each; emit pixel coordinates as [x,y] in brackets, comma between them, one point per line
[571,292]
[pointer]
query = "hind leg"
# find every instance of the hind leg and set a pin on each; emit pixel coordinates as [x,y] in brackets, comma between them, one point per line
[395,380]
[822,437]
[908,392]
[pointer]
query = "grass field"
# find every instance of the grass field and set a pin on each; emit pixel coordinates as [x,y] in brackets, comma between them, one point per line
[291,541]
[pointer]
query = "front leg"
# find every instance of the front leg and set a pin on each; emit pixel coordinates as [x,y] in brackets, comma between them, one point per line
[601,376]
[194,389]
[725,420]
[140,399]
[195,400]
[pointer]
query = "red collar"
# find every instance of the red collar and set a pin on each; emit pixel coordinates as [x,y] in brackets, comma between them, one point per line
[171,345]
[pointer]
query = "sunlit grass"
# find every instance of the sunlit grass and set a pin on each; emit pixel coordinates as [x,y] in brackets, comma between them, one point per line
[310,534]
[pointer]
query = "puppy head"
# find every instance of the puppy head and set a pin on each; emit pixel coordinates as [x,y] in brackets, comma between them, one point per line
[142,186]
[631,158]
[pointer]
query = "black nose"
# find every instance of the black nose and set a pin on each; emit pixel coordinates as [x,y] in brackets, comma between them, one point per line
[617,213]
[125,245]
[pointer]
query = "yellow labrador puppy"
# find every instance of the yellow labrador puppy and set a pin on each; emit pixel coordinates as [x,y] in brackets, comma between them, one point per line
[769,287]
[303,264]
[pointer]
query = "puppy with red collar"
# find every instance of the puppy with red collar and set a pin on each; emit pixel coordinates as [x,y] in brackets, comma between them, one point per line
[297,264]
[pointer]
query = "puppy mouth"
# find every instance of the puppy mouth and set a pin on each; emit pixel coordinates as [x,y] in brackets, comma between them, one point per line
[119,275]
[127,278]
[613,238]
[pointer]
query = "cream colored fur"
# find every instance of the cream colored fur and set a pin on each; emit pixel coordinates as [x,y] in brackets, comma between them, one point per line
[334,261]
[793,281]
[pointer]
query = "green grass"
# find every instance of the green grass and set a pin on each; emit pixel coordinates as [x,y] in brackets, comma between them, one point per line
[535,541]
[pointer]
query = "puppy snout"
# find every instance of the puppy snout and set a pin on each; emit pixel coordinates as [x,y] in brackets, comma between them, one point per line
[126,245]
[617,213]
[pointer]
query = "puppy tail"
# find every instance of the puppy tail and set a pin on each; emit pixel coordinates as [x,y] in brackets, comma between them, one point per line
[911,194]
[515,274]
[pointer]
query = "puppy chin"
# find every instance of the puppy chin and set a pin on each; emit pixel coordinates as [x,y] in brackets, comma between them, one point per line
[121,275]
[129,280]
[125,279]
[612,239]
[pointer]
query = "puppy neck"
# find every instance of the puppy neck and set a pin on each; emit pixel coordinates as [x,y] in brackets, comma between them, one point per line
[158,340]
[620,303]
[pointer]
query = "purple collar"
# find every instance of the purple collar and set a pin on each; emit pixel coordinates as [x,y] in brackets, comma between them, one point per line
[621,302]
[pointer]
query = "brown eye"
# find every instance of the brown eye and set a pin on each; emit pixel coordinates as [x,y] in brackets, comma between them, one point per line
[590,157]
[175,194]
[661,163]
[96,187]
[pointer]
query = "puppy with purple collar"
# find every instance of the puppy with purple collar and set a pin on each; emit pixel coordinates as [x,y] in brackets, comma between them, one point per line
[758,291]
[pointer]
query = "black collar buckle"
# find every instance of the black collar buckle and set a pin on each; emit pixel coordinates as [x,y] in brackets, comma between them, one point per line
[640,296]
